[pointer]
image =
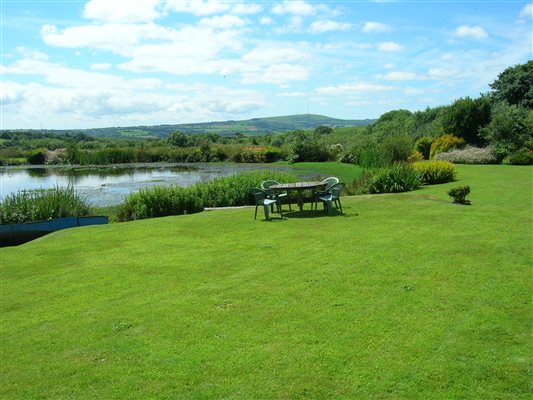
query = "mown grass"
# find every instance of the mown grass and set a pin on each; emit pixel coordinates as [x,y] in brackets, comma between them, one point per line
[406,296]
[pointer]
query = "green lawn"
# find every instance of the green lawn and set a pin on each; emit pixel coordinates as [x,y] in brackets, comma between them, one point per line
[406,296]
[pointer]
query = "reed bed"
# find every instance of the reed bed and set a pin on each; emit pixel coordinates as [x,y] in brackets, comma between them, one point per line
[42,204]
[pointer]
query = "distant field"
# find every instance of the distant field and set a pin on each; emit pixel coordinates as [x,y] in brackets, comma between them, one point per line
[255,126]
[406,296]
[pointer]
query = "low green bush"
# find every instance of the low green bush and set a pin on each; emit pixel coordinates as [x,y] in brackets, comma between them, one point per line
[423,146]
[42,204]
[37,157]
[523,157]
[445,143]
[174,200]
[257,154]
[400,177]
[469,155]
[435,171]
[459,195]
[361,185]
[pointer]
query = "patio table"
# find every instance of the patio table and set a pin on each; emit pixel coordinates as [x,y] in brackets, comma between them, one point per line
[298,188]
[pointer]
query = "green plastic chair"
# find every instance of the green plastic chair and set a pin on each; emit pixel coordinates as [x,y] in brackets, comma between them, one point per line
[261,199]
[329,182]
[333,197]
[279,196]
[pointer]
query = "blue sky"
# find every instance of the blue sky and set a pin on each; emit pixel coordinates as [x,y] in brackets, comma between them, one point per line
[97,63]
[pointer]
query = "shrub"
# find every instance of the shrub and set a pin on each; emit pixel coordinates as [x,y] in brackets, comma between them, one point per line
[306,147]
[459,194]
[360,185]
[42,204]
[221,192]
[469,155]
[511,128]
[445,143]
[371,157]
[55,157]
[523,157]
[37,157]
[415,156]
[423,146]
[432,172]
[258,154]
[400,177]
[396,148]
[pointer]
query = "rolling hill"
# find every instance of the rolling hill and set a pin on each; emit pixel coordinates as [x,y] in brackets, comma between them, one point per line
[255,126]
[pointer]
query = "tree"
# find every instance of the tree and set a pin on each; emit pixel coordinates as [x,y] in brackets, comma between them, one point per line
[306,147]
[178,139]
[393,123]
[323,130]
[510,129]
[466,116]
[515,85]
[429,122]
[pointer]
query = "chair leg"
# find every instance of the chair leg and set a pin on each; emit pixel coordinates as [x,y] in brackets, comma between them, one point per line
[266,211]
[255,216]
[329,204]
[340,205]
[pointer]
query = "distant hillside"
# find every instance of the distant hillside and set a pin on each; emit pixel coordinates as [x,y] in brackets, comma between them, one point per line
[255,126]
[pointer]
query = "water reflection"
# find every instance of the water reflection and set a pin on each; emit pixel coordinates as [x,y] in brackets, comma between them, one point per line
[110,185]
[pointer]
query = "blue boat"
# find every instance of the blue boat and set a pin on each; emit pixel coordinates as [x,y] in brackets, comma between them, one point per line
[15,234]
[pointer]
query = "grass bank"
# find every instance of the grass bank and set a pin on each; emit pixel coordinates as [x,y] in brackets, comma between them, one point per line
[405,296]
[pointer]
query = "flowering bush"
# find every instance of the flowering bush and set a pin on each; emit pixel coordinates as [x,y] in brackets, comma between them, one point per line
[258,154]
[469,155]
[432,172]
[445,143]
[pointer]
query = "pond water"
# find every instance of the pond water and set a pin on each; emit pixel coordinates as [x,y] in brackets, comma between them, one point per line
[110,185]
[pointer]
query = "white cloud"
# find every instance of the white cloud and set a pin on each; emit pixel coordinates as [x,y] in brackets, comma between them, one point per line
[11,93]
[272,54]
[223,22]
[376,27]
[118,38]
[211,7]
[279,74]
[273,64]
[292,94]
[353,89]
[30,53]
[400,76]
[295,7]
[295,25]
[474,32]
[266,21]
[327,25]
[118,11]
[389,65]
[442,73]
[72,96]
[527,11]
[390,47]
[197,7]
[246,8]
[101,66]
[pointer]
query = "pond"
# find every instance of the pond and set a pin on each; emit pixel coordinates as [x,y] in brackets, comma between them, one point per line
[106,186]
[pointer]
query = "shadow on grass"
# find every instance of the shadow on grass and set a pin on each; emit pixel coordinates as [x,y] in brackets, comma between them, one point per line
[315,214]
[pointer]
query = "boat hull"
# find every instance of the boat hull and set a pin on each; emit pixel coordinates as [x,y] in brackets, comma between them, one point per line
[15,234]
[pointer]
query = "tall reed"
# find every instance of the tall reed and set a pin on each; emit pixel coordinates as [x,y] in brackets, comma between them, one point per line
[174,200]
[42,204]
